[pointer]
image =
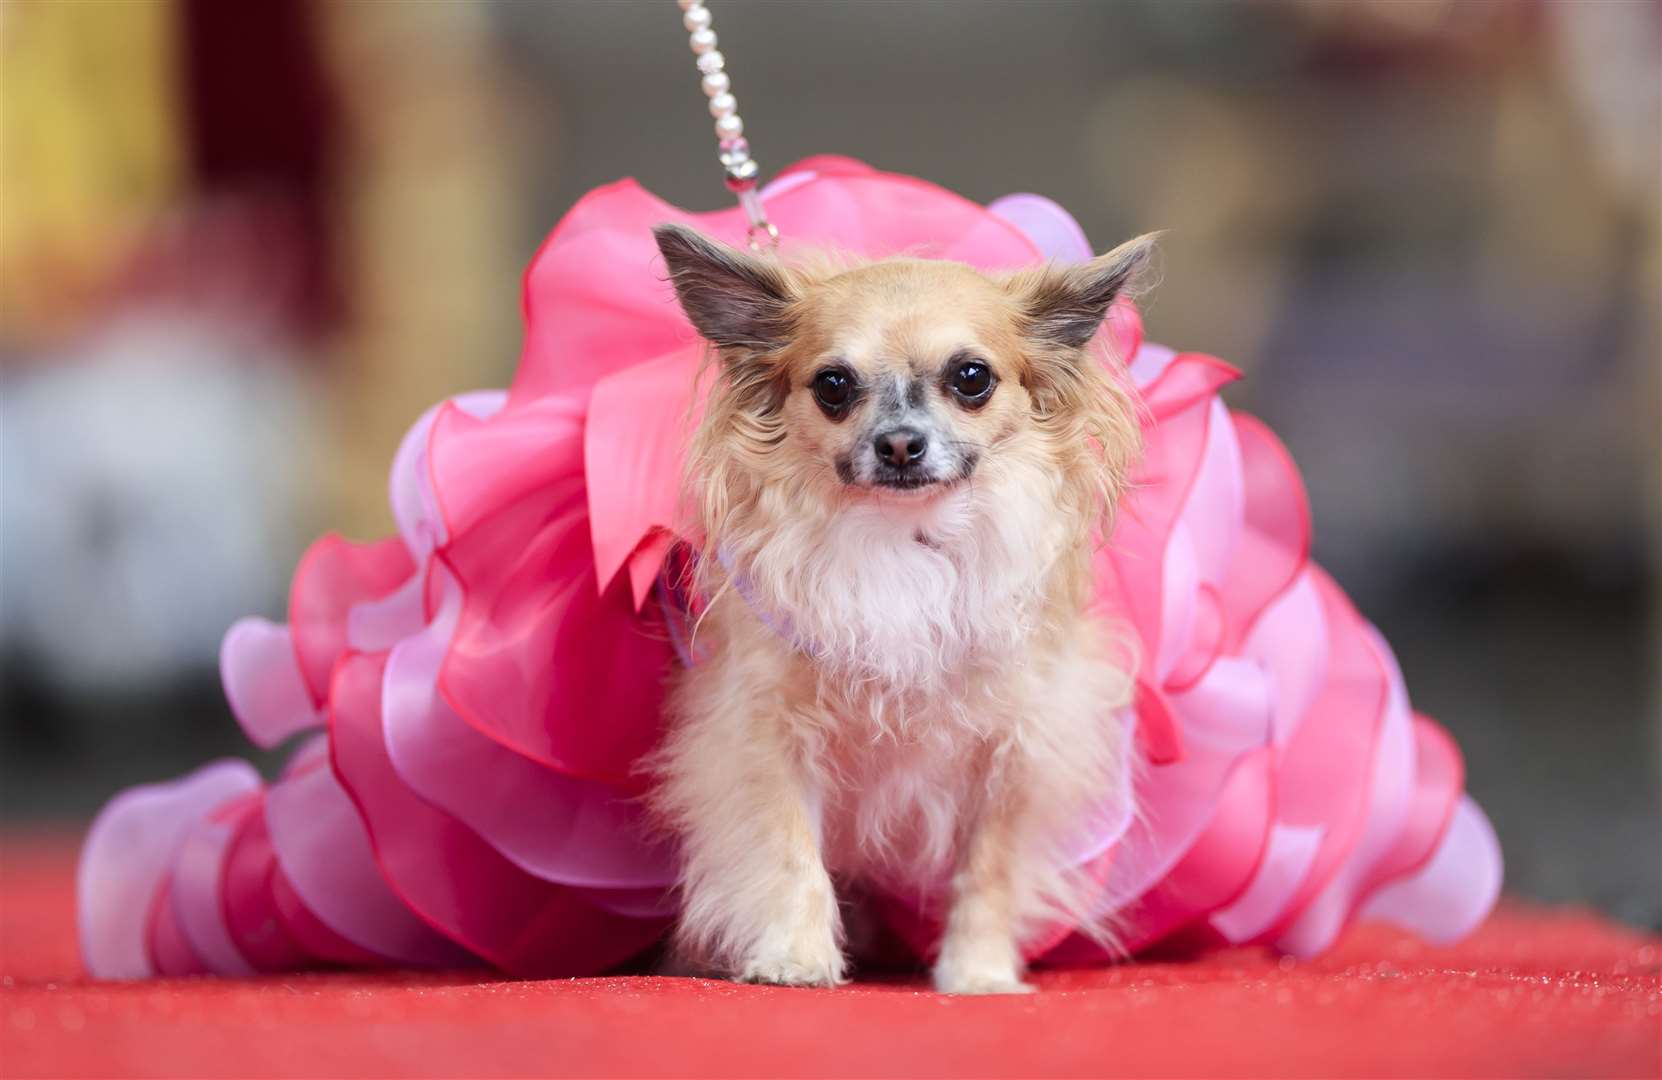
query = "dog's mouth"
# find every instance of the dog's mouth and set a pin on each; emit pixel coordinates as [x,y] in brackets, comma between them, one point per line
[909,482]
[914,488]
[906,483]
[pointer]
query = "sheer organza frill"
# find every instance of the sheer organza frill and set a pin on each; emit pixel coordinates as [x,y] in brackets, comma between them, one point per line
[471,697]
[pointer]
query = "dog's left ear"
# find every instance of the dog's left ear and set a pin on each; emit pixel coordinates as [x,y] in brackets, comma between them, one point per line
[735,300]
[1064,305]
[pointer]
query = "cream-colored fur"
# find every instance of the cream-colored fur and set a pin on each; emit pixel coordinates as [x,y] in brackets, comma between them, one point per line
[900,690]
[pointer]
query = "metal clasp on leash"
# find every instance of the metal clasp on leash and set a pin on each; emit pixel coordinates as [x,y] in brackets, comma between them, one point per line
[739,168]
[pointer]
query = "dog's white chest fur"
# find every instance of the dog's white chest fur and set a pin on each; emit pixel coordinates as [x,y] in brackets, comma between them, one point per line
[906,595]
[915,617]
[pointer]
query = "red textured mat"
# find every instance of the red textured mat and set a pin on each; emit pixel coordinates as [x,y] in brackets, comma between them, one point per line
[1534,993]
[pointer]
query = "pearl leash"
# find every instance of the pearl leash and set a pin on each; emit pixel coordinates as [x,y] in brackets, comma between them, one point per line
[739,166]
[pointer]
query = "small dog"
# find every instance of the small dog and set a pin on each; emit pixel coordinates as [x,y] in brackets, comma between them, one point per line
[901,474]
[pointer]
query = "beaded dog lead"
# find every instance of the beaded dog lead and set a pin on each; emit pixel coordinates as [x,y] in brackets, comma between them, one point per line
[740,168]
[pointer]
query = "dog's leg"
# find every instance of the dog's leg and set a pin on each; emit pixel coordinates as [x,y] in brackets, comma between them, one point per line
[980,950]
[756,895]
[1062,755]
[797,928]
[757,900]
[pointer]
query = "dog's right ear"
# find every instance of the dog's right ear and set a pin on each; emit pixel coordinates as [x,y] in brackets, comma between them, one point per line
[735,300]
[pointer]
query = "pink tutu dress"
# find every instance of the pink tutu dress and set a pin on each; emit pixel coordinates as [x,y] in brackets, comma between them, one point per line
[473,696]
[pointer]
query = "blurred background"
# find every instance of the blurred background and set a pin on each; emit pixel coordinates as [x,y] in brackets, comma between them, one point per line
[244,245]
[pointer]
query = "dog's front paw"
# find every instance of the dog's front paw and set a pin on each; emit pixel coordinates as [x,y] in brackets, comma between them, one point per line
[789,971]
[800,958]
[986,970]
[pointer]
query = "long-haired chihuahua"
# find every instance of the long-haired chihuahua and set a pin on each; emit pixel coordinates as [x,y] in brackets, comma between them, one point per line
[901,474]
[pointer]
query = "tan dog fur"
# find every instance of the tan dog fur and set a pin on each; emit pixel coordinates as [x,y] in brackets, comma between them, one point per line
[900,689]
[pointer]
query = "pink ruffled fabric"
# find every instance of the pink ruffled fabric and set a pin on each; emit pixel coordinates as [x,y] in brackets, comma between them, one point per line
[481,687]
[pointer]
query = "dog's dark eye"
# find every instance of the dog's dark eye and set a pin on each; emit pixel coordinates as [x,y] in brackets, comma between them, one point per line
[972,381]
[833,389]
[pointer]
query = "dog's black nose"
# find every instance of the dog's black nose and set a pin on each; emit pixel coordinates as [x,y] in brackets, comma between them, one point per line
[900,447]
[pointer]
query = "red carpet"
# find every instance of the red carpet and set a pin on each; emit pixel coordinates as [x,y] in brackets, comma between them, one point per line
[1534,993]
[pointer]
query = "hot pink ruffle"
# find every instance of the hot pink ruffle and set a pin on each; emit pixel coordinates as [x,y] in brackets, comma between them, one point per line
[483,685]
